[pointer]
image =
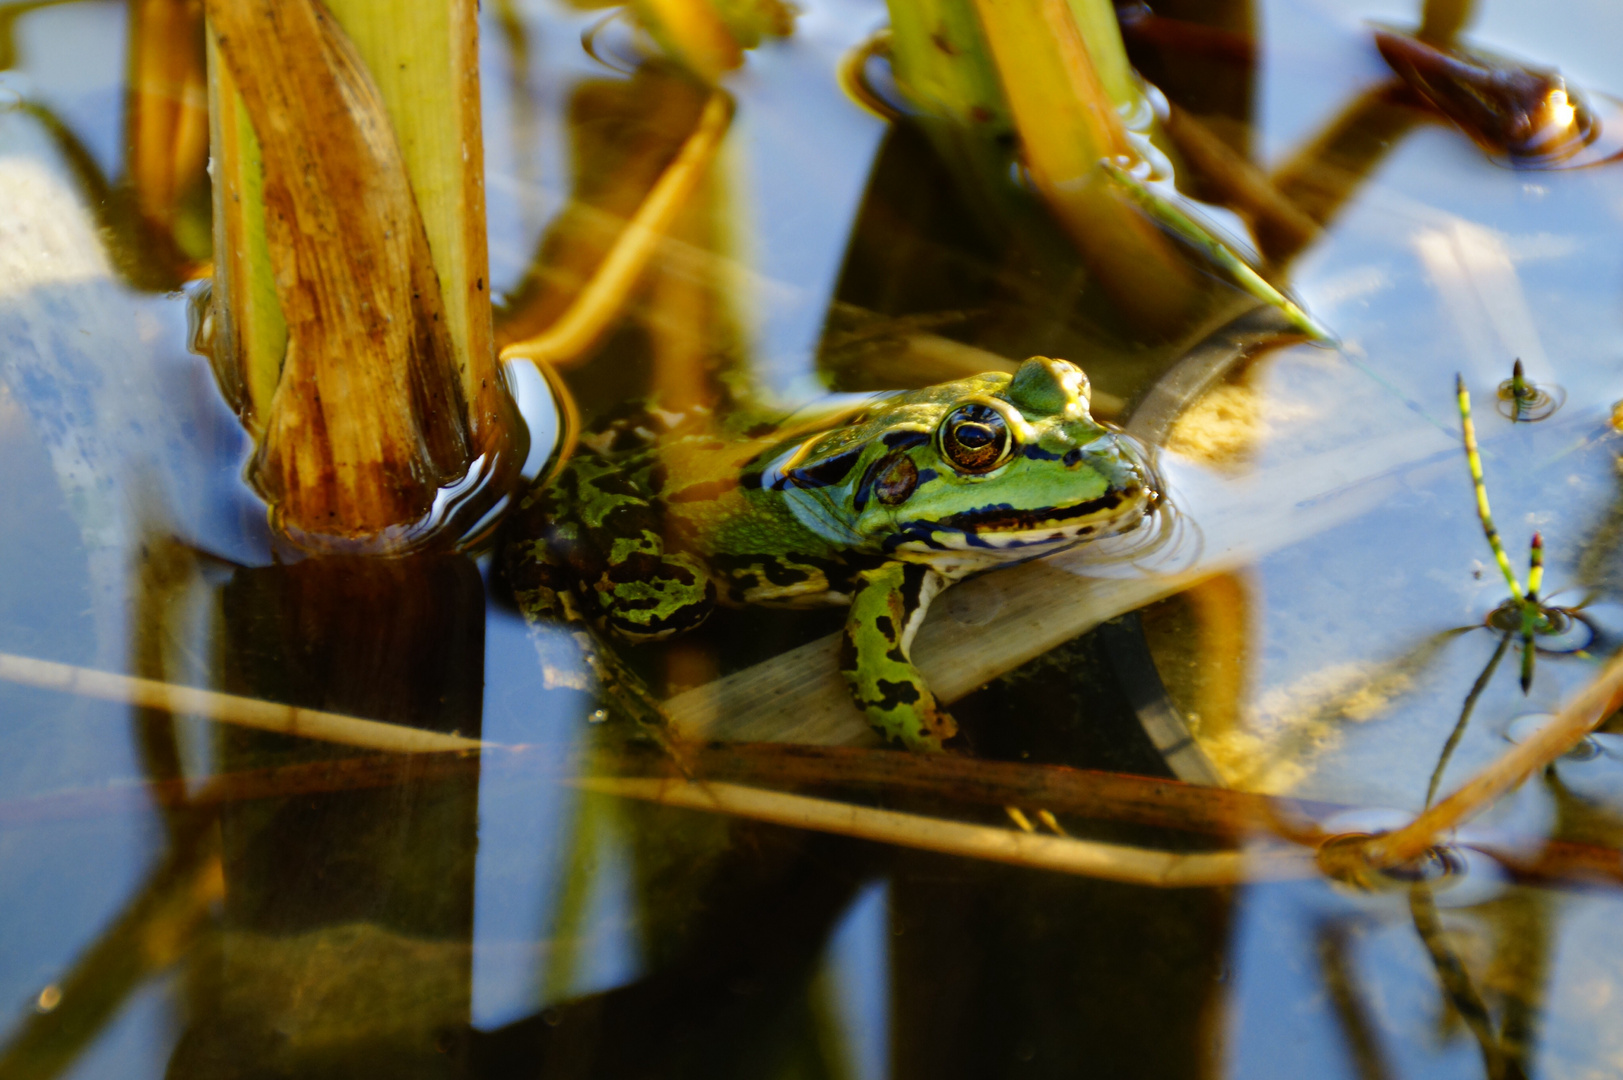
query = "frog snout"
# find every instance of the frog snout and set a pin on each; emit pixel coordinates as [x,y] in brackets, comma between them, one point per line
[1136,480]
[1141,494]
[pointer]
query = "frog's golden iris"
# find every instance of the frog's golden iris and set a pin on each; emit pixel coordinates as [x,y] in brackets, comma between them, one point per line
[975,438]
[879,510]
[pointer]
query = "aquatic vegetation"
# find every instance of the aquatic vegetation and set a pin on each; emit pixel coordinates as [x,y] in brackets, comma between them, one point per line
[305,800]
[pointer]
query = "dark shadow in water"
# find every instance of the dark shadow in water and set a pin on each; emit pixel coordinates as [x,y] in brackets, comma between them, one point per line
[1009,972]
[731,998]
[999,972]
[392,639]
[347,915]
[344,939]
[1202,55]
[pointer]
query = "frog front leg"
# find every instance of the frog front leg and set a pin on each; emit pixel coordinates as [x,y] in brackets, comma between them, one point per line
[876,655]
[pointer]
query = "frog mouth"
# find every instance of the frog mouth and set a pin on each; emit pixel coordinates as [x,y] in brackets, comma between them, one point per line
[1069,522]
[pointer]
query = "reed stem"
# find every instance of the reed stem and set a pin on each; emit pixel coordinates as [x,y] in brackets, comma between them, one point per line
[1473,458]
[1166,212]
[1531,612]
[227,708]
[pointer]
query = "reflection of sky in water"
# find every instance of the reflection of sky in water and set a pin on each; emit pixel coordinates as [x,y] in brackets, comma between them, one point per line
[1287,1018]
[857,966]
[797,158]
[1281,1019]
[526,144]
[70,58]
[804,149]
[1517,265]
[527,832]
[523,833]
[601,951]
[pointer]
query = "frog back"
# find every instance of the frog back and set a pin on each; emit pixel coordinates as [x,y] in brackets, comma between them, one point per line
[758,551]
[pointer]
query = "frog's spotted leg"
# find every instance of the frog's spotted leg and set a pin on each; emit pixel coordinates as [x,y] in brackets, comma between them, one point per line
[649,594]
[876,655]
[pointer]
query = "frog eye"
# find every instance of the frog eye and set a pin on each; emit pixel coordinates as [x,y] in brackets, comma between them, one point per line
[975,438]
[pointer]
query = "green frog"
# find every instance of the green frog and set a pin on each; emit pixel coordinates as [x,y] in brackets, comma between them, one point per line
[660,518]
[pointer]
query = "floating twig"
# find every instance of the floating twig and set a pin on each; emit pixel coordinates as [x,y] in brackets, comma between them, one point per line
[1576,720]
[1114,862]
[228,708]
[1218,812]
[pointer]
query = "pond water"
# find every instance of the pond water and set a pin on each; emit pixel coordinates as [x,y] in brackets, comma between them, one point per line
[188,899]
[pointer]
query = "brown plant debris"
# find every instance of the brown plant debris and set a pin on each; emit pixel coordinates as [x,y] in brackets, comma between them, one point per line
[368,419]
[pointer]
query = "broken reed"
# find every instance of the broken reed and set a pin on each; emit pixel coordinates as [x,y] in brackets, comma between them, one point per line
[351,308]
[1165,212]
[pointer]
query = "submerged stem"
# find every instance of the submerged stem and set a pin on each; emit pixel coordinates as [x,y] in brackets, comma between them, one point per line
[1465,717]
[590,314]
[1457,985]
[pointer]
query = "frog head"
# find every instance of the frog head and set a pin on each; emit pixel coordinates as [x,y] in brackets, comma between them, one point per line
[981,470]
